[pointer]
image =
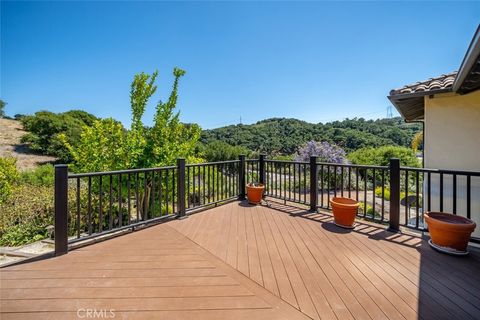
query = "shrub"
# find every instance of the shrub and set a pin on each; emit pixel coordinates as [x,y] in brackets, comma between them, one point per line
[41,176]
[381,156]
[8,176]
[25,215]
[222,151]
[386,194]
[44,129]
[325,152]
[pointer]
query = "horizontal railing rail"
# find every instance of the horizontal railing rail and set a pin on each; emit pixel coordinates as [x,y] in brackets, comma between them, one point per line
[93,204]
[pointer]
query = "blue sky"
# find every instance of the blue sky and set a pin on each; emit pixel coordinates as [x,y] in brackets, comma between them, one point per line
[316,61]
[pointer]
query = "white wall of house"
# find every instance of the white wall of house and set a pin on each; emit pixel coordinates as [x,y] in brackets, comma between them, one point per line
[452,141]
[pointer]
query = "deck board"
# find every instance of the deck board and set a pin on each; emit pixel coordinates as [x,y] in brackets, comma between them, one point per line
[153,273]
[330,273]
[238,261]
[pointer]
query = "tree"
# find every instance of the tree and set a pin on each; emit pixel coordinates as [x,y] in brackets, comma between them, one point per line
[2,108]
[381,156]
[108,146]
[324,151]
[44,129]
[222,151]
[417,141]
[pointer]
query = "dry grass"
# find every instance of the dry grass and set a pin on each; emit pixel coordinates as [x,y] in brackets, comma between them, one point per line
[11,132]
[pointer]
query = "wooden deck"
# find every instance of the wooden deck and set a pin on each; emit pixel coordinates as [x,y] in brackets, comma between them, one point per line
[330,273]
[243,262]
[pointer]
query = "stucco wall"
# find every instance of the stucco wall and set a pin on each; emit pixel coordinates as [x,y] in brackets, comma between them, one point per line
[452,141]
[452,131]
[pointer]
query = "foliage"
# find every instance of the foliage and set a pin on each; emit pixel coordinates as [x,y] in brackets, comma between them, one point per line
[222,151]
[45,128]
[324,151]
[25,215]
[41,176]
[417,141]
[283,136]
[382,155]
[8,176]
[2,108]
[106,145]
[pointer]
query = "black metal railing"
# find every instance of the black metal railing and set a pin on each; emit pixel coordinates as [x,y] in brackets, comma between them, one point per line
[92,204]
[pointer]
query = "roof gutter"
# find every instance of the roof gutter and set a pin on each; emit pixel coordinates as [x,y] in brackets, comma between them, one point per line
[468,61]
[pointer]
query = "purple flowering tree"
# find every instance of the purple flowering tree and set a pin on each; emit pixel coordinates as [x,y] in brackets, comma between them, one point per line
[325,152]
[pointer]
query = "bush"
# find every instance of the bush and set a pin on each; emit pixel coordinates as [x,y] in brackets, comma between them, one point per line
[41,176]
[25,215]
[381,156]
[386,194]
[44,129]
[8,176]
[222,151]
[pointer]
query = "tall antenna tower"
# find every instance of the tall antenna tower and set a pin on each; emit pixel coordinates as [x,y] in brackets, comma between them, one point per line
[389,112]
[240,119]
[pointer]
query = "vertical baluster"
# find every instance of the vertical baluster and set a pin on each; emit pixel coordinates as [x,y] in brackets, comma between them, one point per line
[341,180]
[120,216]
[441,191]
[78,207]
[407,204]
[152,195]
[321,185]
[417,195]
[110,214]
[328,186]
[167,205]
[454,198]
[356,183]
[160,191]
[129,209]
[137,191]
[429,191]
[365,178]
[383,195]
[373,193]
[469,196]
[145,195]
[305,183]
[335,181]
[100,205]
[208,183]
[174,191]
[188,186]
[349,182]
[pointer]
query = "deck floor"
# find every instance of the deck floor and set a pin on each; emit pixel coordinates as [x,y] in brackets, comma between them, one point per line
[238,261]
[155,273]
[332,273]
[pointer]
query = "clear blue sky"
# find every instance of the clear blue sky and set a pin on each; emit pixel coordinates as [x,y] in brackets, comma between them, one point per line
[318,61]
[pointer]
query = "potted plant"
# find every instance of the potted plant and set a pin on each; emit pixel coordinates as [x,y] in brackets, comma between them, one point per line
[449,233]
[344,211]
[255,192]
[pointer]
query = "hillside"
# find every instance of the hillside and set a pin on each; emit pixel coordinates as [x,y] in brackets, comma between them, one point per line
[11,132]
[284,136]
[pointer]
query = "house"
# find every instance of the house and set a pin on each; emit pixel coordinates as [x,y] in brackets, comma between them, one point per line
[449,107]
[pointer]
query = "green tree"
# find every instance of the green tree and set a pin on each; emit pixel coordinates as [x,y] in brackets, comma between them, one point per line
[382,155]
[44,130]
[2,108]
[222,151]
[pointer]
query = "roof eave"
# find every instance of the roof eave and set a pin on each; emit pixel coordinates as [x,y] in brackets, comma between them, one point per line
[469,61]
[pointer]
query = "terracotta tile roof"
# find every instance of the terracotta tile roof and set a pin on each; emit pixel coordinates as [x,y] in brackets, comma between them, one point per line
[443,82]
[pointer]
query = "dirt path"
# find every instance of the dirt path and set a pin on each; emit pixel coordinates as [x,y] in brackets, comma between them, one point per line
[11,132]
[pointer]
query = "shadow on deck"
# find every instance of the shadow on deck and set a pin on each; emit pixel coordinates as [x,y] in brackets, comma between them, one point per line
[239,261]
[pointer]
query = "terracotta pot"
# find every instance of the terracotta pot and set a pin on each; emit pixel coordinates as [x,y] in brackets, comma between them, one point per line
[449,230]
[255,193]
[344,211]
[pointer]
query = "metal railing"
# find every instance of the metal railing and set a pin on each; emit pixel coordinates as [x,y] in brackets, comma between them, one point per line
[93,204]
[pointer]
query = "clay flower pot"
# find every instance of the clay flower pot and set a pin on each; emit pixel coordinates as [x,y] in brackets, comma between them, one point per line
[344,211]
[448,232]
[255,192]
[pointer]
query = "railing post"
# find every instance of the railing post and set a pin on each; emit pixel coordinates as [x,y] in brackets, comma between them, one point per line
[261,169]
[241,178]
[61,209]
[394,219]
[313,183]
[181,188]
